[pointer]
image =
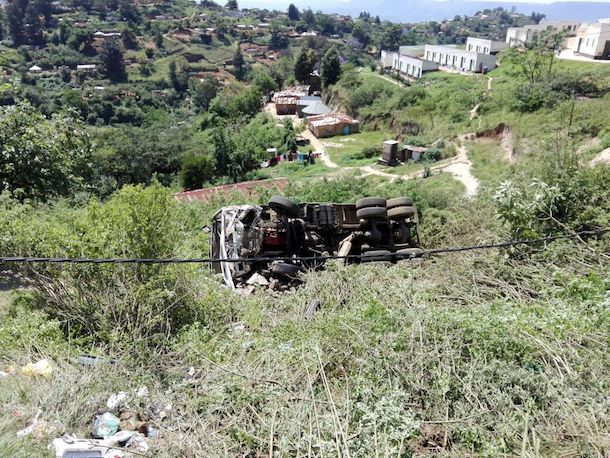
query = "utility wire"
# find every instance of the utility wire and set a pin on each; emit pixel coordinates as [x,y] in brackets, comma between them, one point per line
[392,256]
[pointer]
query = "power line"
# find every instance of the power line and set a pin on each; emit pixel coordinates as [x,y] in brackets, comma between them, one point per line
[392,256]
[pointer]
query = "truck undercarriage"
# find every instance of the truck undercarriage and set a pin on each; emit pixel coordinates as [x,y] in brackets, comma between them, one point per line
[291,238]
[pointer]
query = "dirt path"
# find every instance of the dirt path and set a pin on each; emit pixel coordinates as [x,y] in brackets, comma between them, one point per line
[458,166]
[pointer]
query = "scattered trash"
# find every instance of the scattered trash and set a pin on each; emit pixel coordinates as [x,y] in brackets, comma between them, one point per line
[142,392]
[87,360]
[33,425]
[312,308]
[239,328]
[70,447]
[118,438]
[117,400]
[131,421]
[139,443]
[247,345]
[41,368]
[152,432]
[106,425]
[258,279]
[3,374]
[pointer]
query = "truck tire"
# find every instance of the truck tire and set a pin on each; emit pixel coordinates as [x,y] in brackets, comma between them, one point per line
[399,213]
[409,253]
[376,256]
[283,268]
[372,213]
[399,202]
[368,202]
[285,206]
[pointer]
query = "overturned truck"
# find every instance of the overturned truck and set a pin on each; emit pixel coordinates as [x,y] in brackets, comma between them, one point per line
[283,238]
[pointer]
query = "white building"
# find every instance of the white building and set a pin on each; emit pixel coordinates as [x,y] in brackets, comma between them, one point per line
[460,59]
[407,65]
[484,45]
[527,34]
[592,40]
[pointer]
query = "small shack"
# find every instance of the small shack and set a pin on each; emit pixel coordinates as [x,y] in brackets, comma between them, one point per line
[316,109]
[331,124]
[413,153]
[389,155]
[34,69]
[286,105]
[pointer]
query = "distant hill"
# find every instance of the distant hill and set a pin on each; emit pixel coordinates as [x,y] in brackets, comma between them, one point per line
[422,10]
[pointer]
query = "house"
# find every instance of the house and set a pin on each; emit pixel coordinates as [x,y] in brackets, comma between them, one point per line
[527,34]
[485,45]
[316,109]
[104,35]
[413,67]
[86,68]
[286,105]
[331,124]
[459,59]
[34,69]
[304,102]
[592,40]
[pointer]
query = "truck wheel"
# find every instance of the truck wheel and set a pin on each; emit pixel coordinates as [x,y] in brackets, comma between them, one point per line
[399,202]
[372,213]
[286,206]
[370,202]
[283,268]
[376,256]
[399,213]
[409,253]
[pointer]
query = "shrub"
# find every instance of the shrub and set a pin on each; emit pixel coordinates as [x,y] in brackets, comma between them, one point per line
[532,96]
[432,155]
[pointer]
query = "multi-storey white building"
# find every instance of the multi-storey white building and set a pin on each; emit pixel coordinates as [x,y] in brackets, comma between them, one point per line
[526,34]
[460,59]
[592,40]
[407,65]
[485,45]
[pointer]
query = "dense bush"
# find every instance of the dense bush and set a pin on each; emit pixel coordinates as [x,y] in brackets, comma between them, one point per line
[533,96]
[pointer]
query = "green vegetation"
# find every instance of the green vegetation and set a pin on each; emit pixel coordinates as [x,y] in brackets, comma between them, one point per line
[353,150]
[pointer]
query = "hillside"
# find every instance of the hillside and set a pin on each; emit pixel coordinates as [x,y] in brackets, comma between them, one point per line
[487,352]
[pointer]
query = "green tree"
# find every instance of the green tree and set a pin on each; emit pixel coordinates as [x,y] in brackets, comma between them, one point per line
[158,39]
[264,81]
[362,32]
[308,16]
[232,5]
[196,169]
[112,60]
[304,65]
[203,92]
[42,157]
[15,12]
[330,67]
[179,73]
[391,37]
[293,13]
[239,65]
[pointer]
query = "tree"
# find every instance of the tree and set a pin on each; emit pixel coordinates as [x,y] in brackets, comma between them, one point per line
[293,13]
[390,37]
[330,67]
[239,65]
[232,5]
[158,39]
[362,32]
[305,64]
[537,17]
[15,12]
[308,17]
[42,157]
[203,92]
[262,79]
[112,61]
[196,170]
[179,73]
[129,11]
